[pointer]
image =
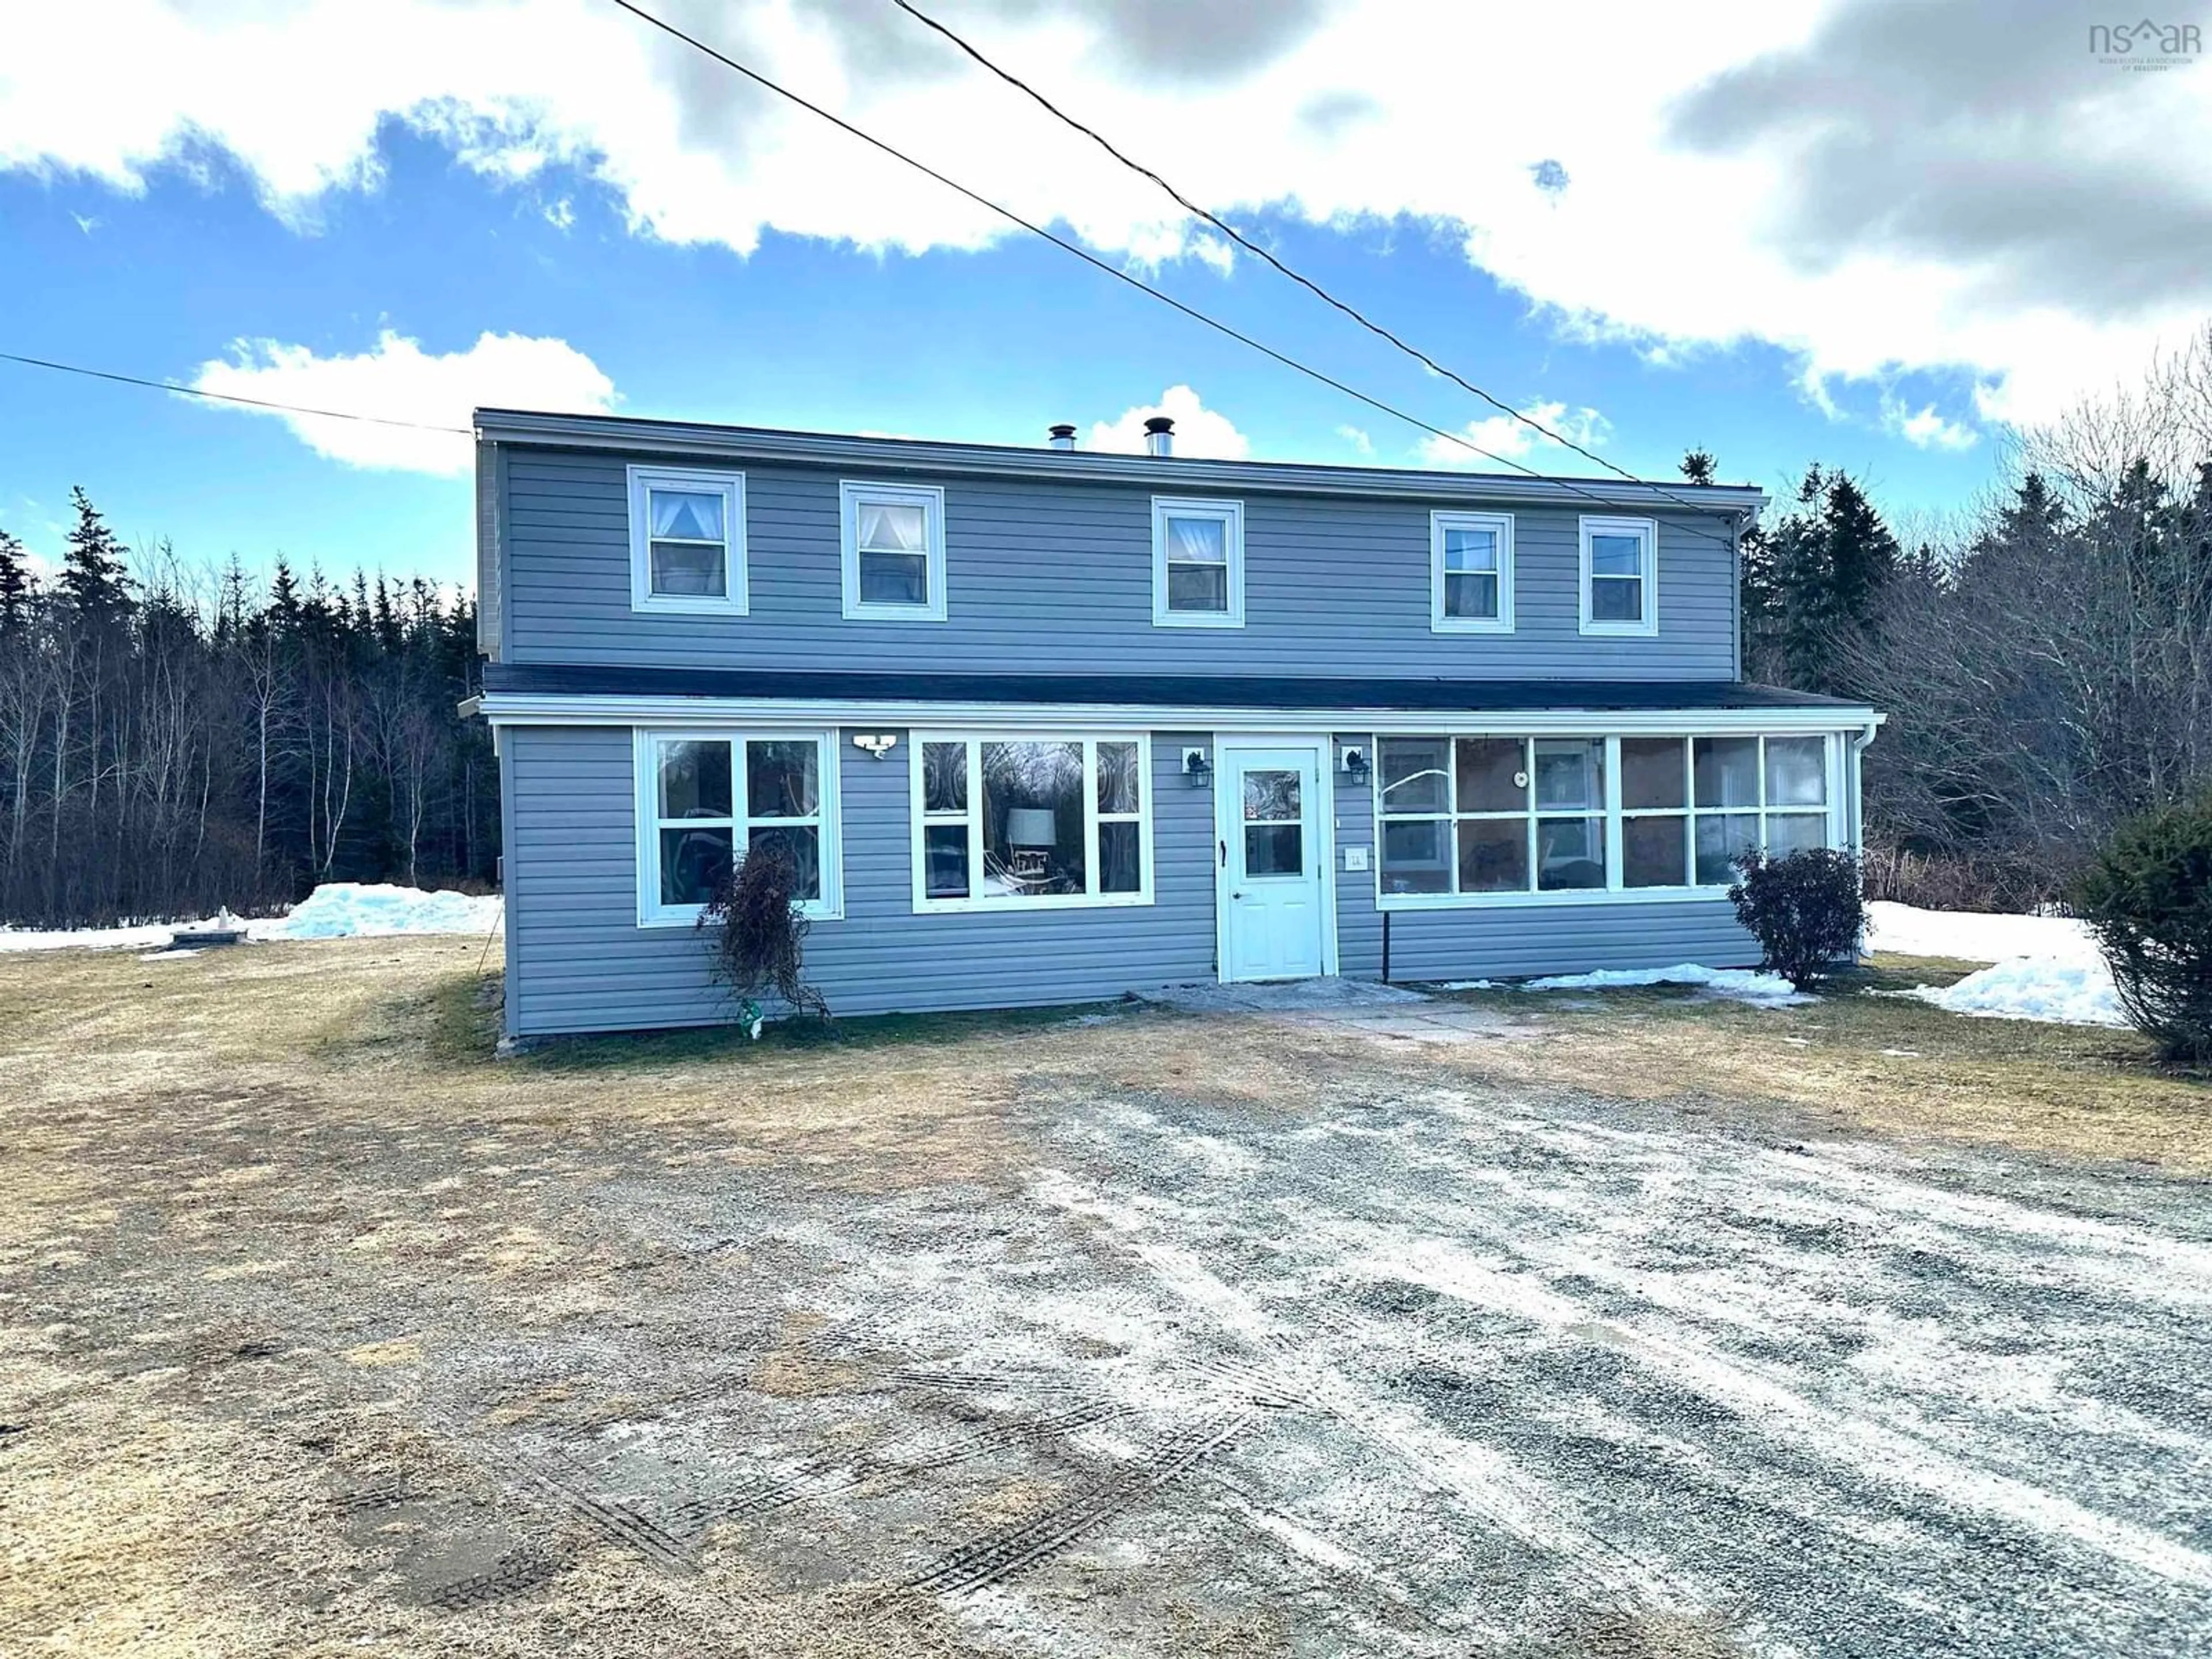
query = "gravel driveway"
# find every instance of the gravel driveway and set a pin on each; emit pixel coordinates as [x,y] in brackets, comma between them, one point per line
[1235,1331]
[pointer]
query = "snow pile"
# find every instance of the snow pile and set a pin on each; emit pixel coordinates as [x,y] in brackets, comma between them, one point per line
[2035,987]
[347,909]
[1975,936]
[1742,984]
[341,909]
[2044,968]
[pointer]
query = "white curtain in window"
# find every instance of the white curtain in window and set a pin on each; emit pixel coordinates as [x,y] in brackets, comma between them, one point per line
[892,527]
[1196,541]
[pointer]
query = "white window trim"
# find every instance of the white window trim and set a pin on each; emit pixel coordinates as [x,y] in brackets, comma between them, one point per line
[850,493]
[1647,628]
[1148,809]
[730,486]
[1612,814]
[1231,516]
[1439,620]
[645,743]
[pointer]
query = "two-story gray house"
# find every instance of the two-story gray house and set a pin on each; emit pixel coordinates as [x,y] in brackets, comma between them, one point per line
[1046,725]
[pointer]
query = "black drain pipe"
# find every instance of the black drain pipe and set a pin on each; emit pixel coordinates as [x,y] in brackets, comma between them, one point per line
[1386,947]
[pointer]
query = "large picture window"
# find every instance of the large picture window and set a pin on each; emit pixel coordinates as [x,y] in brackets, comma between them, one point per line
[1031,821]
[687,540]
[1491,816]
[705,800]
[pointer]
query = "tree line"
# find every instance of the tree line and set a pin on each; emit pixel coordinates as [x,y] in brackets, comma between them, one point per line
[2045,661]
[171,742]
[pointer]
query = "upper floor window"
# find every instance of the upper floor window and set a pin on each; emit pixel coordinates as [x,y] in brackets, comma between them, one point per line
[1470,572]
[687,540]
[706,800]
[1621,576]
[894,541]
[1198,564]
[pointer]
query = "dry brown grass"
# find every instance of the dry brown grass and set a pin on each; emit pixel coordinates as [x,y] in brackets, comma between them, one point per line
[1881,1065]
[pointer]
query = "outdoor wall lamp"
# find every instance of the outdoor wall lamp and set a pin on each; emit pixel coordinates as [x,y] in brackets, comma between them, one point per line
[1352,757]
[1196,768]
[879,744]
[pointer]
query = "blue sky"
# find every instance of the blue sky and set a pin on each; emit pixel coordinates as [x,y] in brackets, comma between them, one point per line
[827,308]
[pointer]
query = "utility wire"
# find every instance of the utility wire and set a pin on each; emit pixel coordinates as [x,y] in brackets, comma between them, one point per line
[1120,276]
[1254,249]
[230,398]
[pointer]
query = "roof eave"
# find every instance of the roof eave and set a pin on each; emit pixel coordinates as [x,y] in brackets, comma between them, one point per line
[508,425]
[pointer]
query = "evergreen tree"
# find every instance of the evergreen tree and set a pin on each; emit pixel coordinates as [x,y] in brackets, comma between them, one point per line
[95,581]
[1697,466]
[14,584]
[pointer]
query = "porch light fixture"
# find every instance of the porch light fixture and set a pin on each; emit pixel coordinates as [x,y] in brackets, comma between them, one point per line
[1197,770]
[879,744]
[1352,757]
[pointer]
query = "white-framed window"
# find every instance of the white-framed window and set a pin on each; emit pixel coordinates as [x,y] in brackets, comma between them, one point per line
[706,798]
[894,550]
[1470,572]
[687,541]
[1621,576]
[1501,819]
[1030,822]
[1198,562]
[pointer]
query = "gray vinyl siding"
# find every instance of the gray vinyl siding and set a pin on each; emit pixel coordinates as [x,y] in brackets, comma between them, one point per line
[577,960]
[1058,577]
[1509,943]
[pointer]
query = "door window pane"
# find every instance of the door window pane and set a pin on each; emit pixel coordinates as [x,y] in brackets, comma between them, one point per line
[1271,796]
[802,843]
[1654,852]
[1652,773]
[1722,840]
[1119,854]
[944,777]
[1414,857]
[1794,832]
[1796,772]
[1493,775]
[1571,772]
[1274,850]
[783,779]
[687,567]
[694,861]
[945,860]
[1033,819]
[694,780]
[1570,853]
[1414,778]
[1117,777]
[1727,771]
[1493,855]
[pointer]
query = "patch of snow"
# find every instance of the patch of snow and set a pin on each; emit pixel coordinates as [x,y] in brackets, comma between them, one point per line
[343,909]
[1468,985]
[169,955]
[1975,936]
[2034,987]
[347,909]
[1741,984]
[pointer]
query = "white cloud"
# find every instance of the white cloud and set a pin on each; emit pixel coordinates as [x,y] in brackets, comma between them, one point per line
[400,381]
[1199,431]
[1358,439]
[1926,429]
[1658,243]
[1511,440]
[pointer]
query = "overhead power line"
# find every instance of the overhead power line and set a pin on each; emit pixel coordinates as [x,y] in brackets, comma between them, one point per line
[1254,249]
[231,397]
[1123,277]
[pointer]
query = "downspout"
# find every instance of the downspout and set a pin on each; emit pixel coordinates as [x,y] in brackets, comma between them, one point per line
[1856,828]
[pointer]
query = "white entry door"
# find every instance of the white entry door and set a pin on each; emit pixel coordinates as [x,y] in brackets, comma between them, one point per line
[1271,856]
